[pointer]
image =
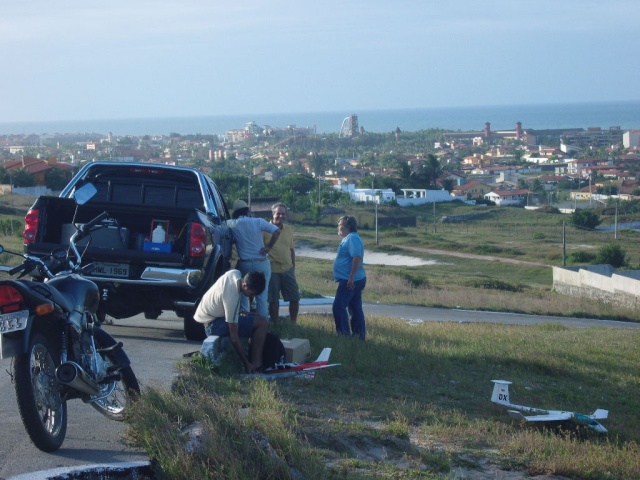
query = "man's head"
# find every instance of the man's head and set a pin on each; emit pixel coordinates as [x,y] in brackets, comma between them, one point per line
[349,223]
[240,209]
[253,284]
[279,212]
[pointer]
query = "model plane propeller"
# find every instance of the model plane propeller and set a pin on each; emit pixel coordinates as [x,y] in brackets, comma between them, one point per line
[501,397]
[289,370]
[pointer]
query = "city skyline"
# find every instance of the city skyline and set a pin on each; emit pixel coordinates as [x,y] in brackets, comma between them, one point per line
[76,61]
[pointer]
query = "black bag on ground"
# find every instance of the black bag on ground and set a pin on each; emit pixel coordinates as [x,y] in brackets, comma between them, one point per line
[273,351]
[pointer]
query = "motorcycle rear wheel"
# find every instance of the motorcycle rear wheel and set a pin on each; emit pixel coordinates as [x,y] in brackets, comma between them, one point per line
[126,390]
[41,406]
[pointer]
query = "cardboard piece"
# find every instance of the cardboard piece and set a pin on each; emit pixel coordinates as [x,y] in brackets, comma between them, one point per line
[297,350]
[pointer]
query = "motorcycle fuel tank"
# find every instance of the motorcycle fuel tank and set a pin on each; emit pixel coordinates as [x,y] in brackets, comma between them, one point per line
[85,293]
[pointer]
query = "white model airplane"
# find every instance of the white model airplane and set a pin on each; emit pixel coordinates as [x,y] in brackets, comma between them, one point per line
[501,397]
[288,370]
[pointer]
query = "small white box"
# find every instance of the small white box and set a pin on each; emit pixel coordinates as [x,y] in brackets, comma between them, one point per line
[214,348]
[297,350]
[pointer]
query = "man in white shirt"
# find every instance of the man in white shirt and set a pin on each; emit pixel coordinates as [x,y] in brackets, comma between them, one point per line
[219,309]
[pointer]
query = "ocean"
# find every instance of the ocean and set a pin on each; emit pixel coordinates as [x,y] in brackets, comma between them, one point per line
[625,115]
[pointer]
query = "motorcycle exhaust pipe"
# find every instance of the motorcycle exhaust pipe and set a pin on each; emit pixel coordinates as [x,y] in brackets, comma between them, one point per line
[72,374]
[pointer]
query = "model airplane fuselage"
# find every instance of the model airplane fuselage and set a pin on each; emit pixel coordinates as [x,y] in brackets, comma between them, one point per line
[501,397]
[288,370]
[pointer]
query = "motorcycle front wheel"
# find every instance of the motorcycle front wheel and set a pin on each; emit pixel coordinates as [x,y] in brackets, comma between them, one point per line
[42,408]
[126,390]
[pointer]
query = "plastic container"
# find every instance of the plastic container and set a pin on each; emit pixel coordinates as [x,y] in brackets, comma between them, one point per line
[159,235]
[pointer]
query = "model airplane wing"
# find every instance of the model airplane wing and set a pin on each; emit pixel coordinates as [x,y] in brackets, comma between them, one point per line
[555,417]
[289,370]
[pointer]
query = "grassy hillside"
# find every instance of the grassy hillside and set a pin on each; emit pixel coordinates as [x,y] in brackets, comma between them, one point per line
[499,259]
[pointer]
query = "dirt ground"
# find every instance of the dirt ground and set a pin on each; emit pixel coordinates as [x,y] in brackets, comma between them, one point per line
[390,450]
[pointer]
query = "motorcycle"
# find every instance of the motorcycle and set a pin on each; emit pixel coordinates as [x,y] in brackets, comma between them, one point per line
[49,326]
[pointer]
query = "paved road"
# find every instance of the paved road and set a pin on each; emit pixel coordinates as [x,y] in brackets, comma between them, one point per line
[428,314]
[91,438]
[154,346]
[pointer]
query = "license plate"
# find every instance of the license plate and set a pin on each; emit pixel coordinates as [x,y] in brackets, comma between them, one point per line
[111,269]
[14,321]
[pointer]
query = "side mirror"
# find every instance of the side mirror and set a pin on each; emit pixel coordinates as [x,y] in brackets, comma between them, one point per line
[85,193]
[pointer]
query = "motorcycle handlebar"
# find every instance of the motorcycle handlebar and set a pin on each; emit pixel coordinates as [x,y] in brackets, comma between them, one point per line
[17,269]
[88,226]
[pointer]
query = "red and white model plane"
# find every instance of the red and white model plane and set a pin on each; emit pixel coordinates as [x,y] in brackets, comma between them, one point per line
[289,370]
[501,397]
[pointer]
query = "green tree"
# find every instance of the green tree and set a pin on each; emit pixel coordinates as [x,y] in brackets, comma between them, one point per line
[585,219]
[448,184]
[613,255]
[55,179]
[22,178]
[318,164]
[431,170]
[407,178]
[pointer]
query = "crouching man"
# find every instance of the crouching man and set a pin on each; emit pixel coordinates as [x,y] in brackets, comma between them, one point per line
[219,310]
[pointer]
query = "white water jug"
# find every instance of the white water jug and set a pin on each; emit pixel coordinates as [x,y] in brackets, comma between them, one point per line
[158,235]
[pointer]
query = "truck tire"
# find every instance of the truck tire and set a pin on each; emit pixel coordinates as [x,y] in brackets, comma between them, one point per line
[193,330]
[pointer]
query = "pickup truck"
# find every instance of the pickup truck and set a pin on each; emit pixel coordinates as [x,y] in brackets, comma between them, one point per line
[166,242]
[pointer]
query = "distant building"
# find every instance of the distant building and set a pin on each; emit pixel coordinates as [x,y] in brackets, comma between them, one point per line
[253,130]
[594,137]
[631,139]
[508,197]
[38,167]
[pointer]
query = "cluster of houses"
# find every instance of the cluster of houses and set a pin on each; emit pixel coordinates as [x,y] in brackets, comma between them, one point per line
[502,173]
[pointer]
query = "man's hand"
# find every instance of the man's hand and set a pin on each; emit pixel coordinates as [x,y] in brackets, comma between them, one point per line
[248,366]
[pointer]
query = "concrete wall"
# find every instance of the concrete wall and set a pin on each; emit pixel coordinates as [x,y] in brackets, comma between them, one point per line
[602,282]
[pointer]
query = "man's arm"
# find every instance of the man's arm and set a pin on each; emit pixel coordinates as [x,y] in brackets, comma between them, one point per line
[274,238]
[355,265]
[235,341]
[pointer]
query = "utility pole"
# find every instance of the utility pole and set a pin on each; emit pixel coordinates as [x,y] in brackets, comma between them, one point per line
[564,245]
[434,216]
[249,191]
[615,228]
[377,242]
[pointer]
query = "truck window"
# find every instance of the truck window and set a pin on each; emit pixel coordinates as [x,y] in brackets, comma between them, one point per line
[123,193]
[160,196]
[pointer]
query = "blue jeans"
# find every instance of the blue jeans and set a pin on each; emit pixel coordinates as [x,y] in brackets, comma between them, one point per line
[218,326]
[349,301]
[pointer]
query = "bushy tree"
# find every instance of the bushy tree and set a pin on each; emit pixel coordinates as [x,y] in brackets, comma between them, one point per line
[22,178]
[55,179]
[585,219]
[613,255]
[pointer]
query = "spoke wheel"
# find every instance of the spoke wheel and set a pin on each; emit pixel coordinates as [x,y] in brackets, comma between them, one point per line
[40,402]
[126,390]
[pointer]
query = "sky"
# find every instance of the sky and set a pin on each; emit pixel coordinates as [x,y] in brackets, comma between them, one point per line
[85,60]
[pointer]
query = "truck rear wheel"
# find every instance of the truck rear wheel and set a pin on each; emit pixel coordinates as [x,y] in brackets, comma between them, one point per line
[193,330]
